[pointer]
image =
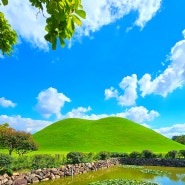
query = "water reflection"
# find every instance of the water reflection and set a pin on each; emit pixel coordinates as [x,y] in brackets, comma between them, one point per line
[175,176]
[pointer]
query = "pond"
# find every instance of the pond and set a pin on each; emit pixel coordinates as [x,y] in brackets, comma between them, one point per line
[161,175]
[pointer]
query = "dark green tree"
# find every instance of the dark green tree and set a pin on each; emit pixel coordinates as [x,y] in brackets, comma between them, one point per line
[179,139]
[182,153]
[64,15]
[25,143]
[20,141]
[171,154]
[148,154]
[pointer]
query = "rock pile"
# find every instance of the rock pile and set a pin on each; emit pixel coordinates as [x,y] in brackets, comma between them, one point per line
[69,170]
[54,173]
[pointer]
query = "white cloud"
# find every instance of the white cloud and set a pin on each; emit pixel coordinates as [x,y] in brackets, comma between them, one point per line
[166,82]
[50,102]
[147,9]
[25,124]
[129,86]
[139,114]
[22,17]
[111,93]
[174,130]
[1,56]
[78,113]
[146,125]
[171,78]
[104,12]
[6,103]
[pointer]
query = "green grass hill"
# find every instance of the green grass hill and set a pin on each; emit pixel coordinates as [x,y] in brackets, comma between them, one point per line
[108,134]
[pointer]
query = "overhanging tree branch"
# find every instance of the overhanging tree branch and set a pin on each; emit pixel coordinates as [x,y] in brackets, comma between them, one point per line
[64,15]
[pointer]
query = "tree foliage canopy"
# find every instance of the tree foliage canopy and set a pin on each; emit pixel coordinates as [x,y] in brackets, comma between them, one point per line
[20,141]
[179,139]
[64,15]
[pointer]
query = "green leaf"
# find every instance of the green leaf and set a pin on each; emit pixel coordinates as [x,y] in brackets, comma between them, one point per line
[77,20]
[81,13]
[5,2]
[76,4]
[47,37]
[59,16]
[62,43]
[54,43]
[69,25]
[71,2]
[80,6]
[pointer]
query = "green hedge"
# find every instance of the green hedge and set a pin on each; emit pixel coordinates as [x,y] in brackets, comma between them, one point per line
[79,157]
[44,161]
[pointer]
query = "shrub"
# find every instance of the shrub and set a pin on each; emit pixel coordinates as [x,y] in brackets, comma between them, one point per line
[159,155]
[171,154]
[116,154]
[102,155]
[90,157]
[44,161]
[78,157]
[63,159]
[23,162]
[5,161]
[8,171]
[135,154]
[148,154]
[5,164]
[182,153]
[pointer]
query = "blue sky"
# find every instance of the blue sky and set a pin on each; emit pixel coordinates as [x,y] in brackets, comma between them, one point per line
[128,60]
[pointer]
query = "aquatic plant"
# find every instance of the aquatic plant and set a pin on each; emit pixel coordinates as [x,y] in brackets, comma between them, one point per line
[131,166]
[155,172]
[122,182]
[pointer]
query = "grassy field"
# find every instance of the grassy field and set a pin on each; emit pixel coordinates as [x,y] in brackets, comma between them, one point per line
[108,134]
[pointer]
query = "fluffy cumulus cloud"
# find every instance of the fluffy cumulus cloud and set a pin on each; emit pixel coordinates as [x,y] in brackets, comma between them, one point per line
[22,16]
[82,112]
[6,103]
[166,82]
[78,113]
[129,87]
[137,114]
[174,130]
[104,12]
[171,78]
[111,93]
[25,124]
[50,102]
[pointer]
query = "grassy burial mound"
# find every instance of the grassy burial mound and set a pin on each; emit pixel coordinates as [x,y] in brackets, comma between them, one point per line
[108,134]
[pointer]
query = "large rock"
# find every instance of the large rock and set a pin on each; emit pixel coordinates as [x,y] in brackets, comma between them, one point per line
[20,182]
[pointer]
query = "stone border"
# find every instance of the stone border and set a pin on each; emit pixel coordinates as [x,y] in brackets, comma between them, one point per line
[69,170]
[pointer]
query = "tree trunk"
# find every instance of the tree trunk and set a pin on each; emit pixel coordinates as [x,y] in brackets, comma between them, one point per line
[10,151]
